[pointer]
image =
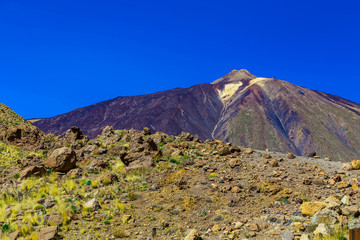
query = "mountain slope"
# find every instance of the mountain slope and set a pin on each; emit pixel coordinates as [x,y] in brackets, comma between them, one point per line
[195,110]
[8,118]
[240,108]
[269,113]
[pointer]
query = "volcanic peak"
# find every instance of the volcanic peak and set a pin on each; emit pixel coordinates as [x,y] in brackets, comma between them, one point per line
[236,81]
[235,76]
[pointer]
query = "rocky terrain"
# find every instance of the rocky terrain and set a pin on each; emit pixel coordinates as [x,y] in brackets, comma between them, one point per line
[239,108]
[135,184]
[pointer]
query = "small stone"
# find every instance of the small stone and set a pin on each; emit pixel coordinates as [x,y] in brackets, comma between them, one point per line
[126,218]
[298,226]
[248,151]
[304,237]
[7,212]
[322,229]
[353,224]
[109,178]
[218,218]
[238,225]
[93,205]
[55,219]
[14,235]
[234,162]
[346,199]
[307,181]
[267,156]
[332,203]
[49,203]
[48,233]
[254,227]
[274,163]
[216,228]
[146,131]
[236,189]
[346,167]
[153,187]
[290,156]
[75,173]
[287,235]
[192,234]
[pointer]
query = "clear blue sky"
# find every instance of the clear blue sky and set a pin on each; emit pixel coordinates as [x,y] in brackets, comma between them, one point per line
[59,55]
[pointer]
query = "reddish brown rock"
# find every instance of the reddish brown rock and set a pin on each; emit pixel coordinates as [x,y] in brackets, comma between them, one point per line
[61,160]
[33,171]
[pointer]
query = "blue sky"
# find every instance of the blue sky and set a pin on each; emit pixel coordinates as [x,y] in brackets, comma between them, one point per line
[59,55]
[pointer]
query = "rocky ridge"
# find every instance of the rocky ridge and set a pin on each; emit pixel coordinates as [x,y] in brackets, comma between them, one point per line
[135,184]
[240,108]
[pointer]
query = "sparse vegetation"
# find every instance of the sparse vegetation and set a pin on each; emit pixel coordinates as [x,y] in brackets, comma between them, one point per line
[188,184]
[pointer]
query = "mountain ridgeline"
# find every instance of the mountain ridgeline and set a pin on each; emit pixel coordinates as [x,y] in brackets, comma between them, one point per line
[240,108]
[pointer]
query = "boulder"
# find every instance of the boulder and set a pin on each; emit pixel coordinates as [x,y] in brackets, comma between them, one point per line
[322,229]
[26,136]
[87,150]
[141,163]
[97,164]
[350,211]
[118,151]
[55,219]
[150,145]
[33,171]
[225,150]
[146,131]
[158,137]
[61,160]
[325,216]
[310,208]
[186,136]
[74,134]
[48,233]
[107,132]
[355,164]
[333,203]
